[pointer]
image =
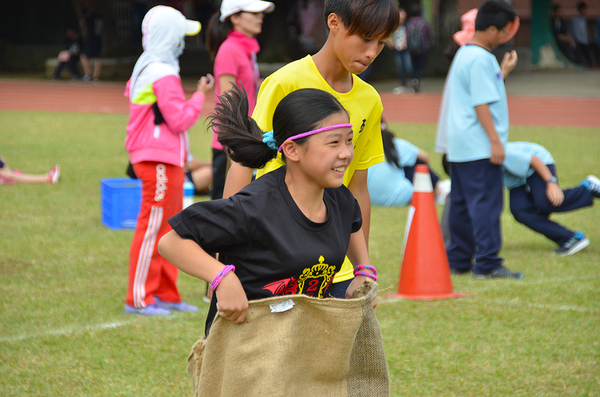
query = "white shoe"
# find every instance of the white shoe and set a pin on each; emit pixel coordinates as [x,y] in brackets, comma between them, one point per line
[54,174]
[398,90]
[444,188]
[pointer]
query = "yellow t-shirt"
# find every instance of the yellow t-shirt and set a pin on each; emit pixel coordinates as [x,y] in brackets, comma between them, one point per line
[362,102]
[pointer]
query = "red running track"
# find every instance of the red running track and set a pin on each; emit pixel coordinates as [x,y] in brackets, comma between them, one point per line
[416,108]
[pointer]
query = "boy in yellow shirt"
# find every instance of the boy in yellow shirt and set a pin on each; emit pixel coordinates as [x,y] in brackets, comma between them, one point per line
[358,30]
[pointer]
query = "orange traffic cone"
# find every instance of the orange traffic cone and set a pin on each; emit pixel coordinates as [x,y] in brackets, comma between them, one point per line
[425,274]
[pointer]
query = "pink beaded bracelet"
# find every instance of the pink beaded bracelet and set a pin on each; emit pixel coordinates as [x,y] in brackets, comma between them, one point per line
[217,280]
[358,271]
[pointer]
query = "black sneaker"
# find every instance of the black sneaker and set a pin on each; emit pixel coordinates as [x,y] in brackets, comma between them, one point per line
[575,244]
[501,272]
[459,272]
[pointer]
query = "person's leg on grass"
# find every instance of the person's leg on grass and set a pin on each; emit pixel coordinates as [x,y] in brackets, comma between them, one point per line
[525,212]
[11,176]
[575,198]
[461,248]
[484,201]
[569,242]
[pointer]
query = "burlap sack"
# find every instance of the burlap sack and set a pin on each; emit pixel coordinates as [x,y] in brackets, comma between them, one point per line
[320,347]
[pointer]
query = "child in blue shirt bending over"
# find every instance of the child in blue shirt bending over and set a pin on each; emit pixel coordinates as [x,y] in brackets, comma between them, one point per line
[477,131]
[530,177]
[391,182]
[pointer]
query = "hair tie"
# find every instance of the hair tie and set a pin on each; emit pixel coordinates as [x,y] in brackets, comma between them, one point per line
[270,140]
[308,133]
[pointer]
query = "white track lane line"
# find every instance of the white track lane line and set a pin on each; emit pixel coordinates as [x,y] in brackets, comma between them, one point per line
[66,331]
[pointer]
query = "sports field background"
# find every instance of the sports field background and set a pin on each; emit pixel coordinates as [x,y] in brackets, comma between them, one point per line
[63,275]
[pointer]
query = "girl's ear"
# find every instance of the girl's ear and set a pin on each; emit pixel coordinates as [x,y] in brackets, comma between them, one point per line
[235,19]
[291,151]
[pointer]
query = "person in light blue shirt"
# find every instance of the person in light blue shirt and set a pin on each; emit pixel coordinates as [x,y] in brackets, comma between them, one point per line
[390,182]
[476,123]
[477,80]
[530,176]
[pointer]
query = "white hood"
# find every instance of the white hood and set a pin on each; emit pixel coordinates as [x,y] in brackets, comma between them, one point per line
[163,30]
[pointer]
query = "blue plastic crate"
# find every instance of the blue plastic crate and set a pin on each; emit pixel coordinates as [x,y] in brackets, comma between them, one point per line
[121,199]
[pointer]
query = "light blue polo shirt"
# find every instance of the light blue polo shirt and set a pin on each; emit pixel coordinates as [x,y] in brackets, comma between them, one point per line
[517,164]
[474,79]
[388,186]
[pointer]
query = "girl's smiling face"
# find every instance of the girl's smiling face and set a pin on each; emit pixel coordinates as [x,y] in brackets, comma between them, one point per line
[324,157]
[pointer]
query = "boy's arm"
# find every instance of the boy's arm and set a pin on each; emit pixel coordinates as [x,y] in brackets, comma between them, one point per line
[358,187]
[553,191]
[484,115]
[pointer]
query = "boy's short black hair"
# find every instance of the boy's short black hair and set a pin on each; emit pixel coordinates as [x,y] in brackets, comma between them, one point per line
[367,18]
[581,6]
[416,10]
[494,13]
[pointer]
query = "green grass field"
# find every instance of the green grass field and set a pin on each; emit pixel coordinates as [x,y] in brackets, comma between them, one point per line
[63,277]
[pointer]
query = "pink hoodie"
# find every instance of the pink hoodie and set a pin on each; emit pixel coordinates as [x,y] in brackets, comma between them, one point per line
[155,79]
[166,142]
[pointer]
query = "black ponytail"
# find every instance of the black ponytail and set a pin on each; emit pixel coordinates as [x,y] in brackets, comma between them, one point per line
[216,33]
[239,133]
[389,149]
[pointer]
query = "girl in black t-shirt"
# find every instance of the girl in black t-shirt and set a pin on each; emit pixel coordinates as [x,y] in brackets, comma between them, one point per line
[287,232]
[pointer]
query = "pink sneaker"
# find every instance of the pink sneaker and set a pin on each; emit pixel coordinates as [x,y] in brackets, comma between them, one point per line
[54,174]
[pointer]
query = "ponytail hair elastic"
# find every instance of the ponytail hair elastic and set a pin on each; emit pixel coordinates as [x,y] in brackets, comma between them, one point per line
[269,140]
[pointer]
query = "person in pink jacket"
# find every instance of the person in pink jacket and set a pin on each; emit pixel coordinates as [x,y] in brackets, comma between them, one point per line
[157,145]
[231,40]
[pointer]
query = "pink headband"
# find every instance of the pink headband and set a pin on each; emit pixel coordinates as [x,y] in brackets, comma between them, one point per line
[305,134]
